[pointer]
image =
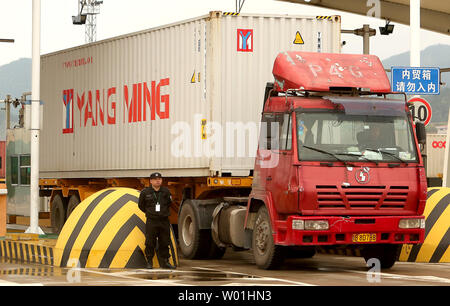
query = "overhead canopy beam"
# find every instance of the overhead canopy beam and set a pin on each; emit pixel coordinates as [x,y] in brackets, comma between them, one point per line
[435,15]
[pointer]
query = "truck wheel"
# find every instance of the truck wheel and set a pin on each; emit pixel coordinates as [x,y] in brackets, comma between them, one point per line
[194,243]
[267,255]
[58,215]
[215,251]
[386,254]
[73,202]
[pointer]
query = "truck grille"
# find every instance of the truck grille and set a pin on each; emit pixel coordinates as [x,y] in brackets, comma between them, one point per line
[361,197]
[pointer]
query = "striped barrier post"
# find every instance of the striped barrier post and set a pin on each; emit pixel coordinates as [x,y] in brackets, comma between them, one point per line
[107,230]
[437,230]
[26,252]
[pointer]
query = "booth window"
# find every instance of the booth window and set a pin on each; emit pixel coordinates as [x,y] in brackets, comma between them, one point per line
[20,170]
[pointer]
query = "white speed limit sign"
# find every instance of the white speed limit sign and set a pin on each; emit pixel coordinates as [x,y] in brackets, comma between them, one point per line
[421,110]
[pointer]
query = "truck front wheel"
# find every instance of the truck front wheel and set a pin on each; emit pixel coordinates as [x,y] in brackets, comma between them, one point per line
[386,254]
[267,255]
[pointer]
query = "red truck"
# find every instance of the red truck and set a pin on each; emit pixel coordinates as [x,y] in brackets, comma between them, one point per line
[338,164]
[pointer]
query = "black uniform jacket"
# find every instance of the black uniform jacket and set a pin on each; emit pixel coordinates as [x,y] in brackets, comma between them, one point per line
[148,199]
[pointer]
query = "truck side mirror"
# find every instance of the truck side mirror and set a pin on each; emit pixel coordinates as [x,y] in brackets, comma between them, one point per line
[421,133]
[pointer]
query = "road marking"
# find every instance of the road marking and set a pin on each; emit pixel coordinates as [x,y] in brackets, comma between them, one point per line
[254,284]
[121,275]
[7,283]
[260,278]
[420,278]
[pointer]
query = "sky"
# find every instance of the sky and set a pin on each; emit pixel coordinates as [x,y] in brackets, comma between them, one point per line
[122,17]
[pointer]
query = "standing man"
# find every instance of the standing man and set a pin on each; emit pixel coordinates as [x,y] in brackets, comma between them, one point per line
[155,202]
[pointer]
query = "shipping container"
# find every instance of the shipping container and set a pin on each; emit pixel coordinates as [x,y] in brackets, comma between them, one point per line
[184,99]
[435,152]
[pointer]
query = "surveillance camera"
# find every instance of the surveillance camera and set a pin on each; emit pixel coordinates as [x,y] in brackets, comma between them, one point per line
[80,19]
[387,29]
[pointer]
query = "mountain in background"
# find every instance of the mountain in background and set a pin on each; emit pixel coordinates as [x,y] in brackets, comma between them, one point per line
[15,79]
[433,56]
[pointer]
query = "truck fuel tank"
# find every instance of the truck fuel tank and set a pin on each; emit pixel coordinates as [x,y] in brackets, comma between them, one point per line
[228,225]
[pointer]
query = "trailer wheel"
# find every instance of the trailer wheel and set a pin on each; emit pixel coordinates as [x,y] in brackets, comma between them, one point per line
[73,203]
[194,243]
[267,255]
[386,254]
[58,215]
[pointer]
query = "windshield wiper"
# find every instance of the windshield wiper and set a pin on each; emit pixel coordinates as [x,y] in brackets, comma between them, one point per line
[387,153]
[358,155]
[325,152]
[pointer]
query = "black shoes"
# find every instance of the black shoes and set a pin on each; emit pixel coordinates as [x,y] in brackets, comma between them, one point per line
[166,265]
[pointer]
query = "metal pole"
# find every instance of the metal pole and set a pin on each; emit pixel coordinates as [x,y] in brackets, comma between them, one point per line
[414,6]
[8,112]
[35,114]
[446,170]
[365,32]
[366,37]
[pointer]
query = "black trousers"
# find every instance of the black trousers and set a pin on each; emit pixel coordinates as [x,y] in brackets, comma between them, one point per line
[157,229]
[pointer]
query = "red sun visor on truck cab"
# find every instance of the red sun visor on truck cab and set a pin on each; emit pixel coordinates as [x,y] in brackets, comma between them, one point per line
[320,71]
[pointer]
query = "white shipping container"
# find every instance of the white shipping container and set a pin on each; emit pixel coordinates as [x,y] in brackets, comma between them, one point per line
[163,99]
[435,151]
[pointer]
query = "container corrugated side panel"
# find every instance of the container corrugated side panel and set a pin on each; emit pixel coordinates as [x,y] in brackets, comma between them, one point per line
[124,149]
[245,74]
[435,154]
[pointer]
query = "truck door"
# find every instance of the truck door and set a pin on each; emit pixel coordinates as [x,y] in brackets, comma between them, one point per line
[282,177]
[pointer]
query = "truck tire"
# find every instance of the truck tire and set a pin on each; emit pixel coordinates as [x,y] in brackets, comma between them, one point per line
[194,243]
[215,251]
[58,213]
[74,200]
[386,254]
[267,255]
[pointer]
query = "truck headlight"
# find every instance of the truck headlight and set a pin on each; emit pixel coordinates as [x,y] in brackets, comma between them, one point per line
[316,225]
[298,224]
[411,223]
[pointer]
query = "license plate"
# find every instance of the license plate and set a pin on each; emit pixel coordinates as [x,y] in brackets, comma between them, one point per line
[365,237]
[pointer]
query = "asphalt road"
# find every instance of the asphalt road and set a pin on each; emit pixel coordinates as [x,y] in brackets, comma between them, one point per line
[235,269]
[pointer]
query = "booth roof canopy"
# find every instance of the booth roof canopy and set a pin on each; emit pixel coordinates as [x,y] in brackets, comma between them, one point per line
[435,14]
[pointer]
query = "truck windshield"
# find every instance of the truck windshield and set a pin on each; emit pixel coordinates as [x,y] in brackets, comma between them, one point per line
[353,137]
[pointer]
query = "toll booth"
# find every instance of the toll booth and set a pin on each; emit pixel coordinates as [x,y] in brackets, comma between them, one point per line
[18,171]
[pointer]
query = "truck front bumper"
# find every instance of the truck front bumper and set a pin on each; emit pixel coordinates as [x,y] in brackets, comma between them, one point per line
[348,230]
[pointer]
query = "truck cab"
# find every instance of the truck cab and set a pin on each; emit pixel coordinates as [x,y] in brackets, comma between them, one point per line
[338,161]
[338,164]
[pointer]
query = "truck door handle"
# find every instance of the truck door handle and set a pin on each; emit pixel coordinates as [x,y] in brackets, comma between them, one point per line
[269,178]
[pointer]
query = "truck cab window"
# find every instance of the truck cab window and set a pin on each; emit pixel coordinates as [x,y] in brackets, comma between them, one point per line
[285,132]
[268,139]
[381,138]
[276,132]
[307,131]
